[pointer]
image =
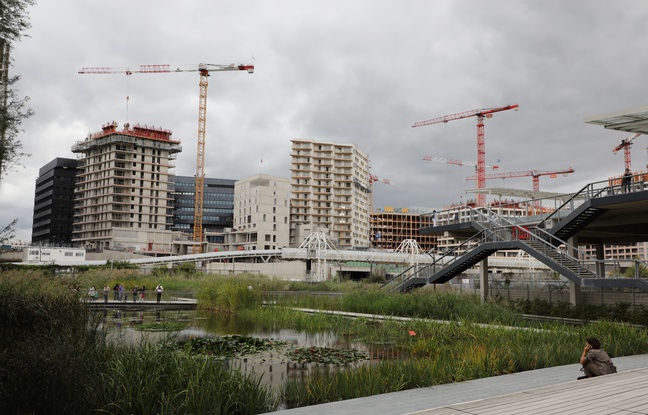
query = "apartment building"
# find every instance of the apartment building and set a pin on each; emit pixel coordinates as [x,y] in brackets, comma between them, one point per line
[54,202]
[123,191]
[331,191]
[261,215]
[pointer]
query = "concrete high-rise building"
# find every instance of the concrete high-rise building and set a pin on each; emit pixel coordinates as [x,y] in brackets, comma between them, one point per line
[54,202]
[330,192]
[123,192]
[218,204]
[261,213]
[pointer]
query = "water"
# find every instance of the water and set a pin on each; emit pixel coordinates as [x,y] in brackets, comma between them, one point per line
[272,366]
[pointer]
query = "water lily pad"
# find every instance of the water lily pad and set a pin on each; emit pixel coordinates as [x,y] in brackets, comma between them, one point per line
[326,355]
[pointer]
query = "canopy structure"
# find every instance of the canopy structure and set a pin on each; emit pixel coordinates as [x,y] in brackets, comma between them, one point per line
[629,120]
[522,193]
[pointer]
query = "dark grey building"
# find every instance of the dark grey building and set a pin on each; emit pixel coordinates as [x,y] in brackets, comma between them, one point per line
[218,204]
[54,202]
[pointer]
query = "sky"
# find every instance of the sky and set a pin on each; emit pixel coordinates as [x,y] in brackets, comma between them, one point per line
[360,72]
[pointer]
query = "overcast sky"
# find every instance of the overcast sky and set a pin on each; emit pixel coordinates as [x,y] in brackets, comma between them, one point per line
[353,71]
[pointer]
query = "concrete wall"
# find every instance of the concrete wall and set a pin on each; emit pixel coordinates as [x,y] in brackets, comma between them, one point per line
[292,270]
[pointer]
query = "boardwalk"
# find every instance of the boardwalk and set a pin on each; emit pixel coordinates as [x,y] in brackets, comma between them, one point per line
[550,391]
[172,303]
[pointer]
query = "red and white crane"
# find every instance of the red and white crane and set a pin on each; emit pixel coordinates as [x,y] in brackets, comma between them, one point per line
[481,146]
[203,69]
[373,179]
[454,161]
[625,144]
[535,174]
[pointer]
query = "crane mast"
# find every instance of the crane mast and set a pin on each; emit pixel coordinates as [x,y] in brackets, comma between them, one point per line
[625,144]
[203,69]
[481,145]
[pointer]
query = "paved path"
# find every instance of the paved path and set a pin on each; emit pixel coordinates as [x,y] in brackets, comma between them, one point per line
[550,391]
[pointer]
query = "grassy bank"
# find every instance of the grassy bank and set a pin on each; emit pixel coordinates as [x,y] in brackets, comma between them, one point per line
[54,357]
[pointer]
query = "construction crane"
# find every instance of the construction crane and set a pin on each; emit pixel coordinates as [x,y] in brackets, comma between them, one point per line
[203,70]
[625,144]
[535,174]
[456,162]
[481,147]
[375,179]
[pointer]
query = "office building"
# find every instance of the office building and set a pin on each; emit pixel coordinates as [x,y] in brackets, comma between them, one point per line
[54,203]
[218,205]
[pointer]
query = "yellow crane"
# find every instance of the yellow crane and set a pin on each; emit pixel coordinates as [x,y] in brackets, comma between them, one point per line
[203,69]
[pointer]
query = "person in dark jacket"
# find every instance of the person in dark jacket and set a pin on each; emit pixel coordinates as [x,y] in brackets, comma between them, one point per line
[626,181]
[595,360]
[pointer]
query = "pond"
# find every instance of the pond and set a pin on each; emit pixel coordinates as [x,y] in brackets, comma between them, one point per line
[274,366]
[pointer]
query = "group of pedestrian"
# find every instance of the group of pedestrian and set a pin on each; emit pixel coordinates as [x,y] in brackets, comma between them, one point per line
[138,293]
[119,293]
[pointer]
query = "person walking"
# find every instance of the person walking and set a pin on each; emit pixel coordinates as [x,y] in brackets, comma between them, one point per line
[626,181]
[122,297]
[595,361]
[135,293]
[158,291]
[106,291]
[116,291]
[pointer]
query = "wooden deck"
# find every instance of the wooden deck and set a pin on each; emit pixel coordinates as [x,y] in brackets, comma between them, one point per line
[622,393]
[165,304]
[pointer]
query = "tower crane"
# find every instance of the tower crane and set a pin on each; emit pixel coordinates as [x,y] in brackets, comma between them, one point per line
[453,161]
[373,179]
[203,70]
[481,151]
[625,144]
[533,173]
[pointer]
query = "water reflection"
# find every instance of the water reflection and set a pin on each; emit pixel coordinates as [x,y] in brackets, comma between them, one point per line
[272,366]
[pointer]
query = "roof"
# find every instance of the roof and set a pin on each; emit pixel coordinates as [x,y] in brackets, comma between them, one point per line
[523,193]
[630,120]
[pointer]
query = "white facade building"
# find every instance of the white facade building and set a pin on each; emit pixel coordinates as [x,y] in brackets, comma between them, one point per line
[331,190]
[53,255]
[261,215]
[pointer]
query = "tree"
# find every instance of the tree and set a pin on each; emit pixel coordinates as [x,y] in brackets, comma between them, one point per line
[14,21]
[7,233]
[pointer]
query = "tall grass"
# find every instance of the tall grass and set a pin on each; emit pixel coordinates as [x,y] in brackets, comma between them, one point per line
[445,353]
[159,380]
[54,359]
[48,347]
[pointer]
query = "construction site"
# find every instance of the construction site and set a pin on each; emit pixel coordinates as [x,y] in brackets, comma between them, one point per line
[323,224]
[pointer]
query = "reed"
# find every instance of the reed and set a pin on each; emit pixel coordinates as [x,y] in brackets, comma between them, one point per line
[159,380]
[445,353]
[48,347]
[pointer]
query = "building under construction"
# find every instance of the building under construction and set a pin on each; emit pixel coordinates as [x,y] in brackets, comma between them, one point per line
[123,192]
[390,226]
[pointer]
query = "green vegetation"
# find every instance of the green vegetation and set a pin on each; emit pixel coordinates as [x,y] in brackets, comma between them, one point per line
[44,320]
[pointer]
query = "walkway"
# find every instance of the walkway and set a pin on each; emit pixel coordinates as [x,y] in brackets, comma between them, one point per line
[550,391]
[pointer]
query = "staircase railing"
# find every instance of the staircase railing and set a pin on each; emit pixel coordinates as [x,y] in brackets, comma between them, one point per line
[560,253]
[590,191]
